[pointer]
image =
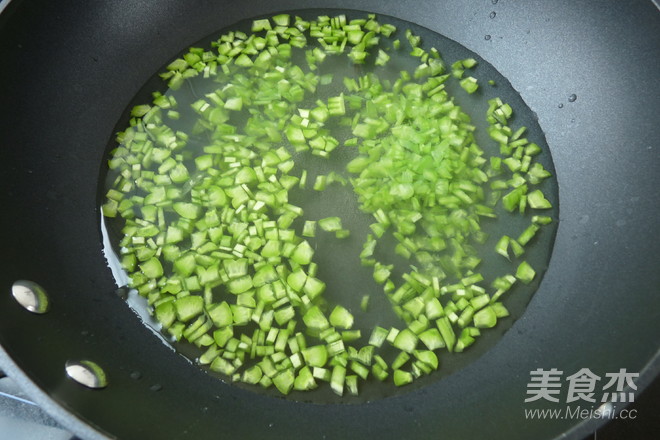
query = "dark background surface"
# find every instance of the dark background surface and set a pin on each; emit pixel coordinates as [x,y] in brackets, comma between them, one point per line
[597,306]
[20,419]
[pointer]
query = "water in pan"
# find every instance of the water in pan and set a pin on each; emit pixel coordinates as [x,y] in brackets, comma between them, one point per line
[338,259]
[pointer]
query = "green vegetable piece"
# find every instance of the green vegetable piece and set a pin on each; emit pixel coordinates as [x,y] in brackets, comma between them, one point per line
[245,175]
[432,339]
[479,302]
[166,314]
[512,199]
[260,25]
[242,60]
[264,275]
[152,268]
[502,246]
[220,314]
[209,355]
[341,317]
[309,229]
[281,19]
[330,224]
[466,316]
[536,200]
[223,366]
[427,357]
[216,196]
[541,220]
[316,356]
[297,279]
[359,369]
[378,336]
[447,332]
[402,377]
[469,84]
[380,372]
[235,104]
[433,309]
[337,380]
[284,381]
[240,285]
[382,272]
[176,330]
[187,210]
[528,234]
[303,253]
[284,315]
[464,341]
[236,268]
[403,191]
[322,374]
[315,319]
[352,383]
[304,380]
[242,315]
[313,287]
[252,375]
[525,273]
[320,183]
[364,303]
[485,318]
[469,63]
[382,58]
[188,307]
[516,248]
[140,110]
[223,335]
[500,310]
[336,105]
[351,335]
[406,341]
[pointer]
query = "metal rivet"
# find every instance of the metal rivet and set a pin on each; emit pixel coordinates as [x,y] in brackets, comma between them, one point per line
[87,373]
[30,295]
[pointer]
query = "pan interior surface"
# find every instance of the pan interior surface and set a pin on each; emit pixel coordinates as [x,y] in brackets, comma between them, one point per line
[596,307]
[338,260]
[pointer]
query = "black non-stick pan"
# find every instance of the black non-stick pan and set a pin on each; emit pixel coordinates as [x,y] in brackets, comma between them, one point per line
[71,68]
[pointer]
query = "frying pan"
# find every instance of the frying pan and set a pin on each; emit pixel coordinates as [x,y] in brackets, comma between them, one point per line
[71,68]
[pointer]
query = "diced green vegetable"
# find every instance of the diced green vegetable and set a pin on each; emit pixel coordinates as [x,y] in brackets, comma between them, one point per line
[406,340]
[315,319]
[152,268]
[303,253]
[364,303]
[469,84]
[337,379]
[205,185]
[284,381]
[485,318]
[309,230]
[402,378]
[537,201]
[525,273]
[188,307]
[330,224]
[340,317]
